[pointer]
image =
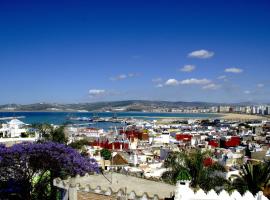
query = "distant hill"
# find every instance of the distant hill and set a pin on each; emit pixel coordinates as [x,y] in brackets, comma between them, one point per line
[129,105]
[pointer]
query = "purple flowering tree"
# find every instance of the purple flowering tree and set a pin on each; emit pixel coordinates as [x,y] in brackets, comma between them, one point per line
[27,170]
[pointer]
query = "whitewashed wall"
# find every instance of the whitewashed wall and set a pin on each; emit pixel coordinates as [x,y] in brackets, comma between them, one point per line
[184,192]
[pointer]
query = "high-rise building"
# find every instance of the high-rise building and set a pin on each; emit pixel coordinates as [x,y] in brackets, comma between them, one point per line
[267,110]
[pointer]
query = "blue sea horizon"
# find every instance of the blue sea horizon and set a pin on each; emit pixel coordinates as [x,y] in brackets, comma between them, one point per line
[59,118]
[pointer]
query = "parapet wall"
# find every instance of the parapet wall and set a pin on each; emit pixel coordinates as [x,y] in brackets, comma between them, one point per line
[184,192]
[79,191]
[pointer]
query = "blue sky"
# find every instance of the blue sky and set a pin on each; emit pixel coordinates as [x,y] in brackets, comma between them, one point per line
[85,51]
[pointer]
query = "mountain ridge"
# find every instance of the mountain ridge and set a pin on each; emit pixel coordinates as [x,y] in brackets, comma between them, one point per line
[131,104]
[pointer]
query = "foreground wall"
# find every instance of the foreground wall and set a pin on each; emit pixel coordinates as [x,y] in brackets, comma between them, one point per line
[184,192]
[76,190]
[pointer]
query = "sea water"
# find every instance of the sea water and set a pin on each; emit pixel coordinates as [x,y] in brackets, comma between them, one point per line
[59,118]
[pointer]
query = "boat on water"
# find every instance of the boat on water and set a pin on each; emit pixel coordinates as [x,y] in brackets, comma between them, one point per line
[85,119]
[95,118]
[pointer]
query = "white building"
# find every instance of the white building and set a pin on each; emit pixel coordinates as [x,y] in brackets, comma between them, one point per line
[13,128]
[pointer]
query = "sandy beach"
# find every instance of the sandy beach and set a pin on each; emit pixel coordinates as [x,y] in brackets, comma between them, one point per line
[235,116]
[224,116]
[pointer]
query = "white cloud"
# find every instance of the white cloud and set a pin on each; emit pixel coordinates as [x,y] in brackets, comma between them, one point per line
[171,82]
[260,85]
[119,77]
[157,80]
[201,54]
[188,68]
[247,92]
[159,85]
[132,75]
[124,76]
[191,81]
[234,70]
[211,86]
[96,92]
[194,81]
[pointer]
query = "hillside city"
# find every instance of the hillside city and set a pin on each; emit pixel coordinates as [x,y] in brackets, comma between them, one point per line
[148,150]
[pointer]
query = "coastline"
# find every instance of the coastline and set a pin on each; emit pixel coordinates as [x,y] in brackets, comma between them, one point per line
[160,116]
[236,116]
[221,116]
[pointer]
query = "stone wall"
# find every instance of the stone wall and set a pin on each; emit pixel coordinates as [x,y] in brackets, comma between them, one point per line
[77,191]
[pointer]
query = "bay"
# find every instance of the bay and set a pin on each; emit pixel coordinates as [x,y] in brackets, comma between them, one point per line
[59,118]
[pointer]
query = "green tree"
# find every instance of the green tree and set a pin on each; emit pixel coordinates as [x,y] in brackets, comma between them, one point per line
[44,130]
[58,135]
[79,144]
[253,177]
[192,166]
[24,135]
[106,154]
[49,133]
